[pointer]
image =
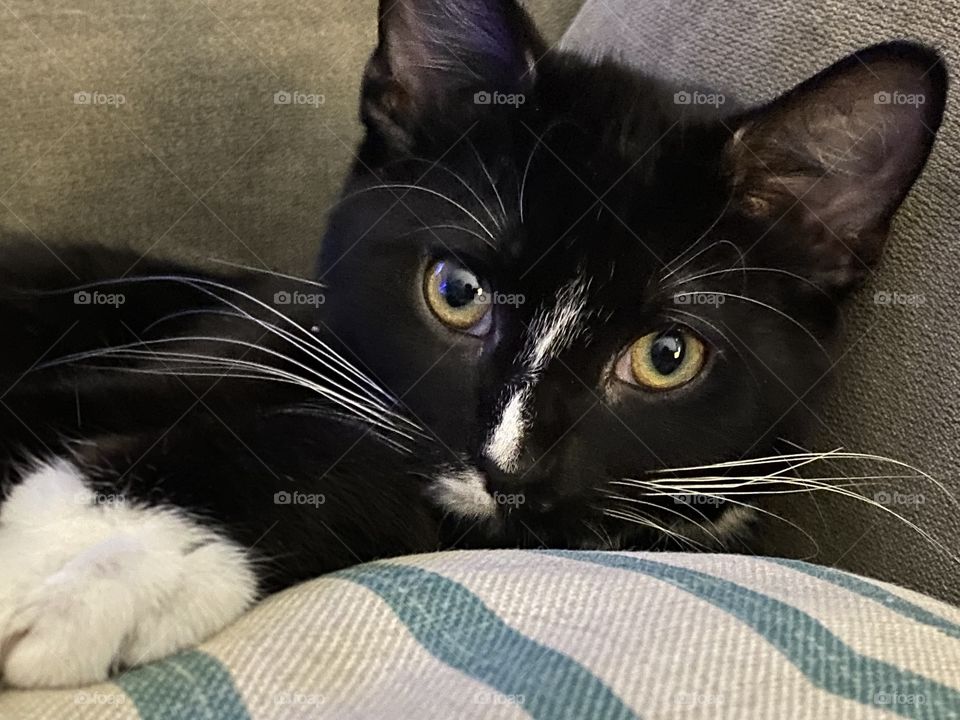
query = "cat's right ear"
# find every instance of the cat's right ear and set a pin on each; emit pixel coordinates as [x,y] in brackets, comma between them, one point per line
[436,59]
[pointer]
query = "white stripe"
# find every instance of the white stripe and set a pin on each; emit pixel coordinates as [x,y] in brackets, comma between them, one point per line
[549,334]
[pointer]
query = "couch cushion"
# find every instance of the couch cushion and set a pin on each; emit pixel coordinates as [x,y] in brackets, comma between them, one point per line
[898,391]
[513,634]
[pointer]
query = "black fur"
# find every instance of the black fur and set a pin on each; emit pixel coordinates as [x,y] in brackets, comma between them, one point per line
[619,184]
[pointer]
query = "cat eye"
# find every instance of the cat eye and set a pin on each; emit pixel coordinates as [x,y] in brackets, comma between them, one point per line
[457,296]
[663,360]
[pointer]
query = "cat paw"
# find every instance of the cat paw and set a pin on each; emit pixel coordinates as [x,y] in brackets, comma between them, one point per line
[90,584]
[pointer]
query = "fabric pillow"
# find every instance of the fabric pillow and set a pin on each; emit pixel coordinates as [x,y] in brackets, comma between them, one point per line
[516,634]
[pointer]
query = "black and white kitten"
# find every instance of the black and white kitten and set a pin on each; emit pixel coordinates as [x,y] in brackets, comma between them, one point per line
[550,288]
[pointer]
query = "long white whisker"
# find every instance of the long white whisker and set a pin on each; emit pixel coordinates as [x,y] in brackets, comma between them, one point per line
[769,307]
[767,460]
[855,496]
[647,522]
[723,335]
[309,350]
[775,271]
[493,185]
[404,186]
[267,271]
[724,481]
[197,283]
[447,226]
[806,458]
[364,408]
[263,377]
[696,242]
[673,511]
[703,250]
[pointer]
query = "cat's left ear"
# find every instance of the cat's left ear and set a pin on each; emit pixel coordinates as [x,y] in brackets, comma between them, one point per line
[834,158]
[441,57]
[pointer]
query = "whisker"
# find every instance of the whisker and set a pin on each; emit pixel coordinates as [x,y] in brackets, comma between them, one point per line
[805,458]
[405,186]
[267,271]
[447,226]
[647,522]
[364,410]
[673,511]
[526,170]
[486,172]
[203,284]
[696,242]
[775,271]
[704,250]
[302,346]
[723,335]
[769,307]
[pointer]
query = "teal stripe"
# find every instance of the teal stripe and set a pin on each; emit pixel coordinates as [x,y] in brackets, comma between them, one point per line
[189,685]
[816,652]
[873,592]
[456,627]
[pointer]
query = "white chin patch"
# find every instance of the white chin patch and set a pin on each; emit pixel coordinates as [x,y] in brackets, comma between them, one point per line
[90,582]
[463,492]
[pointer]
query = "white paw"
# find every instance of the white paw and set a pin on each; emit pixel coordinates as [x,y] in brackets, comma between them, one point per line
[89,584]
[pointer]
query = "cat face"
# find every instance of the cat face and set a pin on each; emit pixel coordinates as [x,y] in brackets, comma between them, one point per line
[581,284]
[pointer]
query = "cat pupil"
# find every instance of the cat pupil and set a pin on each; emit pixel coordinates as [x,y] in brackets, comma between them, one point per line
[667,353]
[460,287]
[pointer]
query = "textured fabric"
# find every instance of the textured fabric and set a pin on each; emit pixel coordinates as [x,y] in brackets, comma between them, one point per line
[551,635]
[899,392]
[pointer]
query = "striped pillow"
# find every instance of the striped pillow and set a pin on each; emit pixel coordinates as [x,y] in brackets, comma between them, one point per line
[544,634]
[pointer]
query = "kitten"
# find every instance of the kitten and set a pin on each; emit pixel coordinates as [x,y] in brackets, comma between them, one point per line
[558,302]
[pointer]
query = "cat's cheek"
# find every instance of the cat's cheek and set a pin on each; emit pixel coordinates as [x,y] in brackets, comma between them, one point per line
[87,587]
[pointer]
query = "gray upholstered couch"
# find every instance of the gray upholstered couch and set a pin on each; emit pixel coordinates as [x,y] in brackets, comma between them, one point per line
[197,161]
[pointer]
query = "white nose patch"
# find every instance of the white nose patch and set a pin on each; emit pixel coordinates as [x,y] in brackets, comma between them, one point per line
[506,441]
[553,330]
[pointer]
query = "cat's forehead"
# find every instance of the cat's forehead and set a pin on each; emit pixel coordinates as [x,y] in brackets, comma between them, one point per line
[552,192]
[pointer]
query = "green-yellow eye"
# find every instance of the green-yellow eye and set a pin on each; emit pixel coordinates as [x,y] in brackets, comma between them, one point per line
[457,297]
[663,360]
